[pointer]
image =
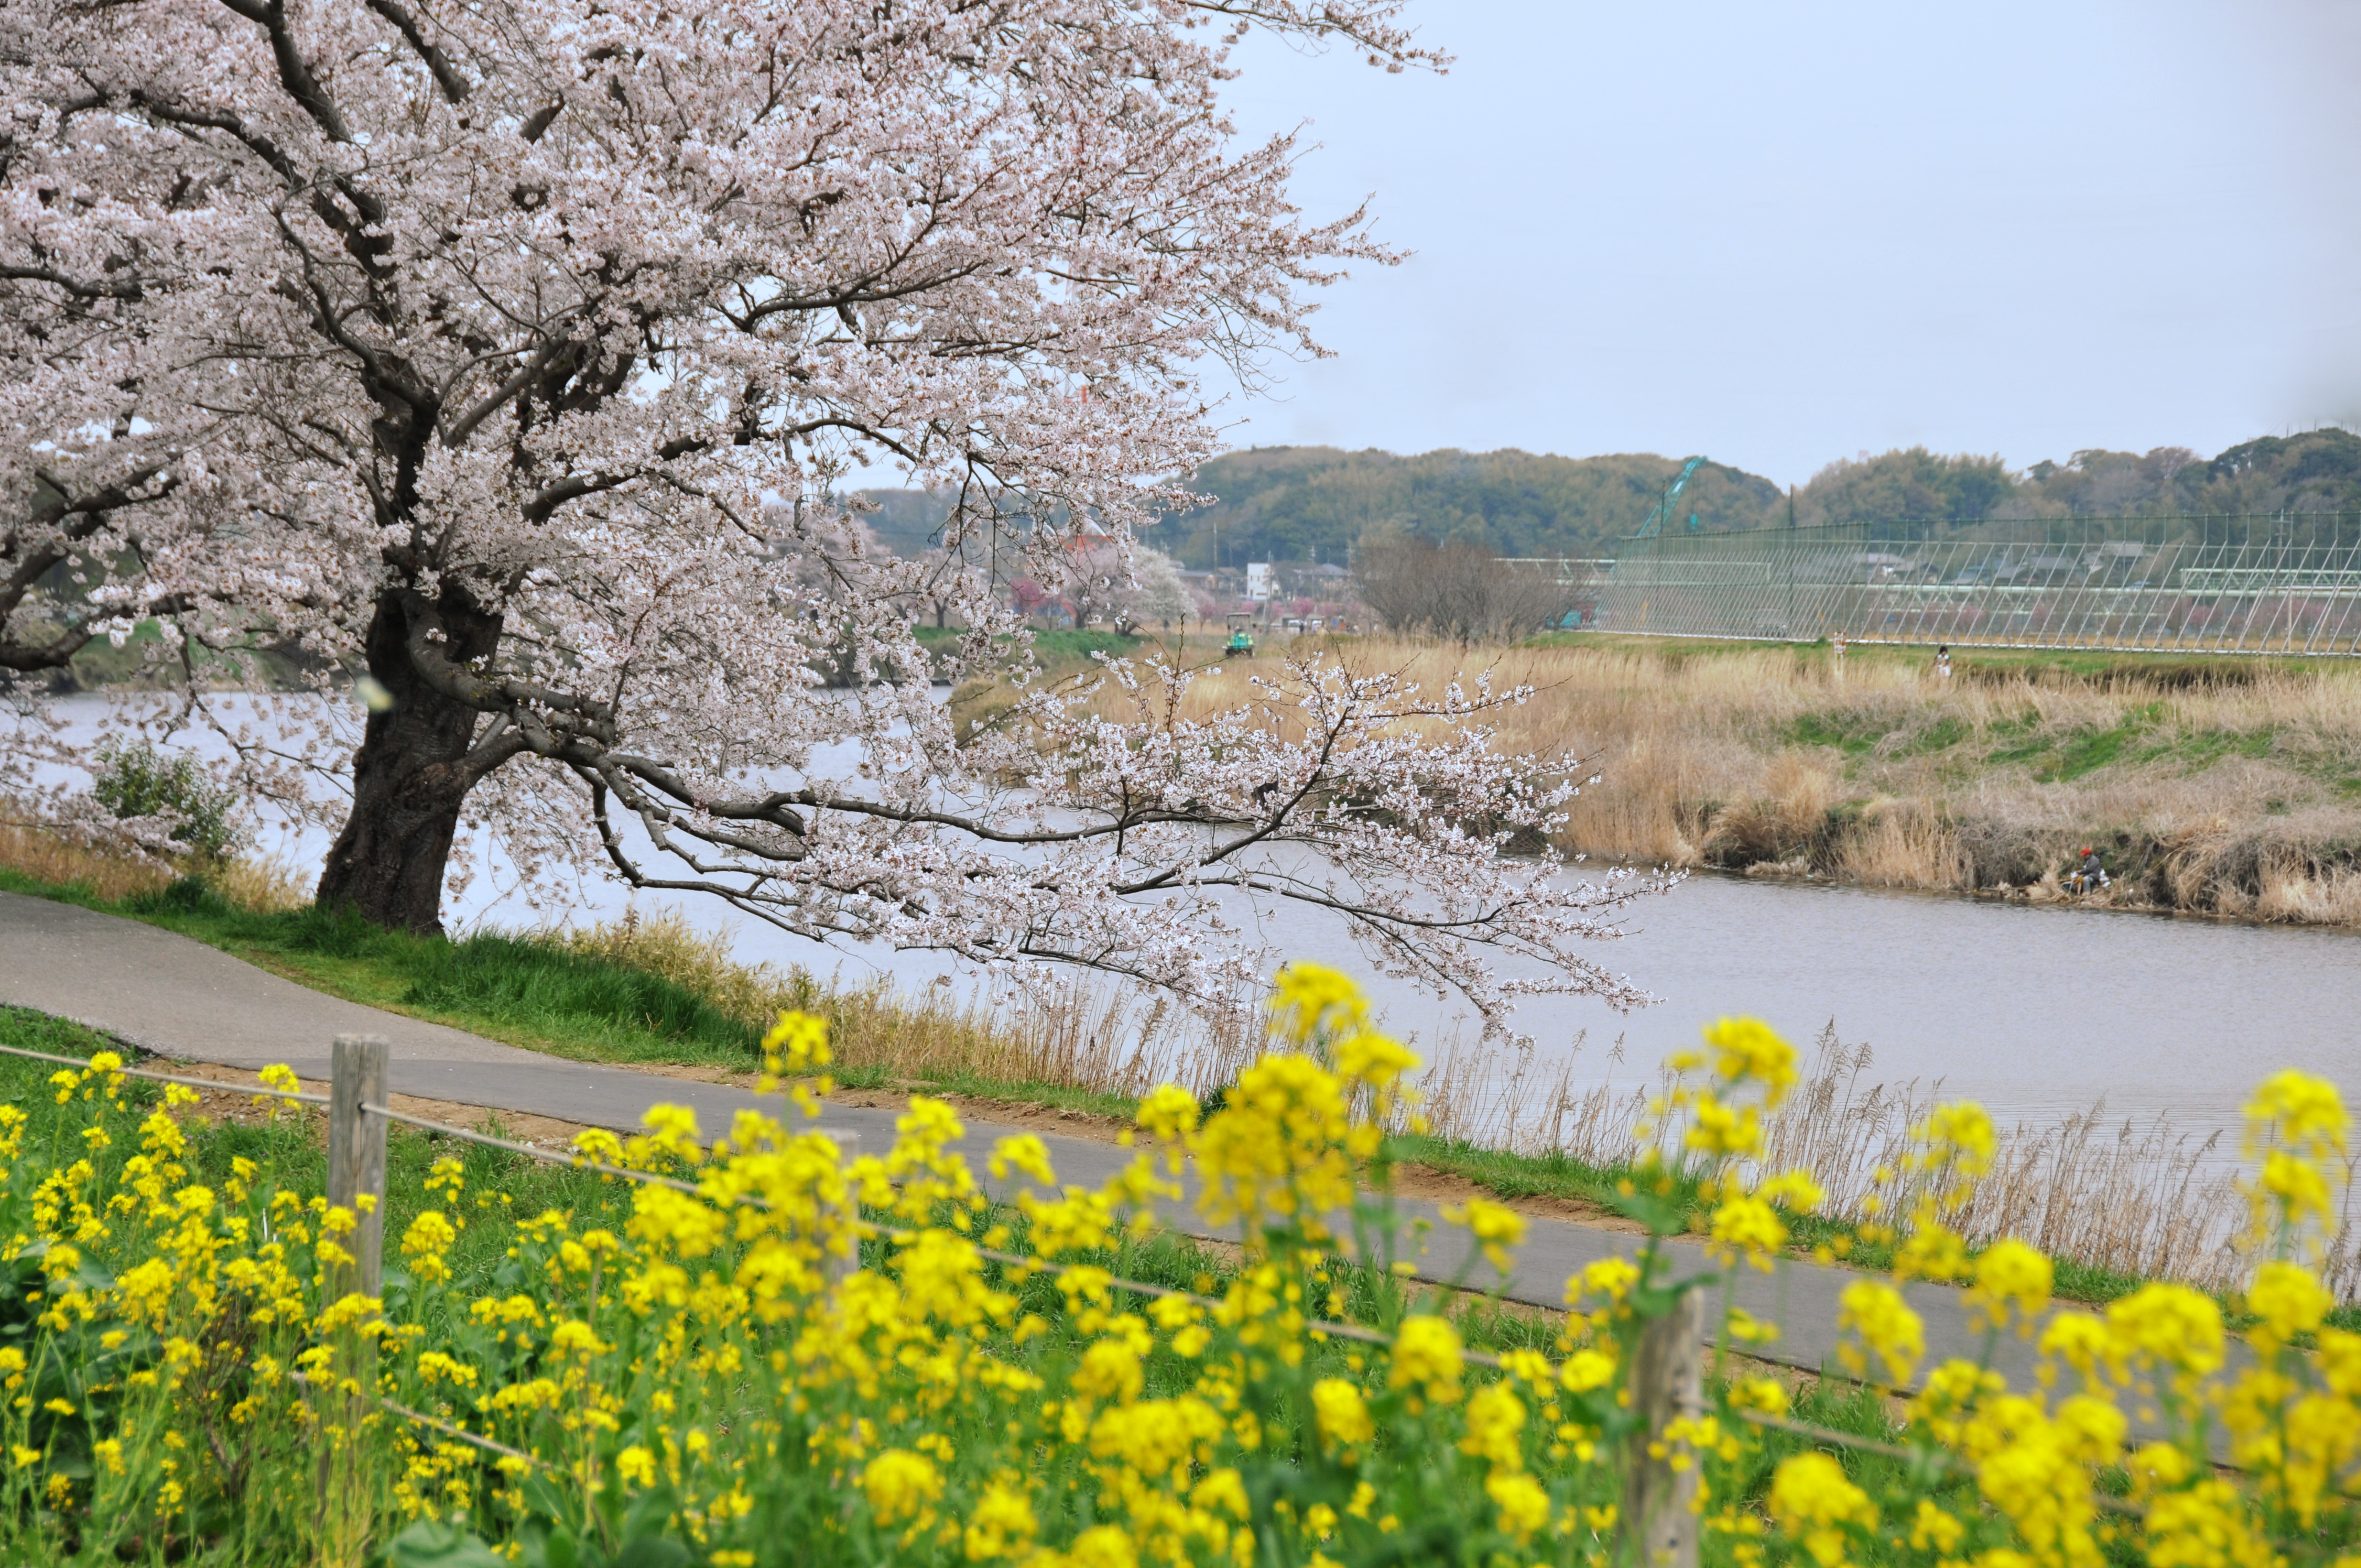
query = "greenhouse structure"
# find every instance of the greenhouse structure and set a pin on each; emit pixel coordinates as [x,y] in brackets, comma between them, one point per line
[2286,584]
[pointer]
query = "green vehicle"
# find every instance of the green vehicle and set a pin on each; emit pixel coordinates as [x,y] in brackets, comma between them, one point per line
[1241,639]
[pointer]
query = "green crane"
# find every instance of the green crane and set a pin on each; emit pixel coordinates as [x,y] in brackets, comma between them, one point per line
[1664,512]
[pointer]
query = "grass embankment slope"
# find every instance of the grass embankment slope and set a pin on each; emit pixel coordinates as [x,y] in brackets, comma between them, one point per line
[2218,786]
[660,995]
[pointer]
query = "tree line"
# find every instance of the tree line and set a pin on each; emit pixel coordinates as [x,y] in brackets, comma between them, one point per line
[1298,504]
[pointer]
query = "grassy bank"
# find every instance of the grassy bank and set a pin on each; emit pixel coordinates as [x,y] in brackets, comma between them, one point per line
[652,993]
[2222,786]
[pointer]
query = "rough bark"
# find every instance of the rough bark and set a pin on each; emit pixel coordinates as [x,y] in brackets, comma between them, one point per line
[409,779]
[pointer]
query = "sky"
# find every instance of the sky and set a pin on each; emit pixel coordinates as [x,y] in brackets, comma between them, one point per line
[1781,235]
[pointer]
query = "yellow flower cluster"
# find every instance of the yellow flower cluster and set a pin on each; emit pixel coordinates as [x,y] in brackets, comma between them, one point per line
[777,1352]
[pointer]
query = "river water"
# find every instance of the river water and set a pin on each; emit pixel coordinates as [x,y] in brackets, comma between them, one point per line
[2036,1011]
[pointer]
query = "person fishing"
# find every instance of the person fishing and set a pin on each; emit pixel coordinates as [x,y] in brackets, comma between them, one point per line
[2090,873]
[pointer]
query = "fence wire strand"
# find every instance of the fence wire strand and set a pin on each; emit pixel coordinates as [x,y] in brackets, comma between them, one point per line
[169,1077]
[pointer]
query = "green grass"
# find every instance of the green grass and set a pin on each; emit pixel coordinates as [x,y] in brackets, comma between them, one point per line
[2055,759]
[1941,736]
[1855,735]
[506,987]
[2090,750]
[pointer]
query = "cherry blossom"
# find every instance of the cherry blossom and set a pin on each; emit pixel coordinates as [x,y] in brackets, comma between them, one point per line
[511,356]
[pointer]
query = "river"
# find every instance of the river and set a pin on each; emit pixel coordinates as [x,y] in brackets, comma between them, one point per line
[2037,1011]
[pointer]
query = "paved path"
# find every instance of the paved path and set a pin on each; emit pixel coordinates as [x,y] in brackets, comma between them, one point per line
[179,998]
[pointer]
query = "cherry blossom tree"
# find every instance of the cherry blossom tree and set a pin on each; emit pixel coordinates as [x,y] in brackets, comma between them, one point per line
[509,355]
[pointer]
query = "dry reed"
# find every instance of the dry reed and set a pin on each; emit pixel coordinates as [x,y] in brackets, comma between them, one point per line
[111,872]
[2232,790]
[2136,1196]
[1101,1039]
[47,858]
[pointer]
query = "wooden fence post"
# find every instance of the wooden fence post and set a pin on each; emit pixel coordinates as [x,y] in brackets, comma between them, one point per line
[356,1158]
[1658,1513]
[344,1405]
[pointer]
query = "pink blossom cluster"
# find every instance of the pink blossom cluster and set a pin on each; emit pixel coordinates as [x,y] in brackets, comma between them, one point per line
[511,356]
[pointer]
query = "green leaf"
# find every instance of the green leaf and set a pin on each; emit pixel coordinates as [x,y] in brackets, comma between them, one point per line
[546,1547]
[430,1543]
[653,1551]
[651,1511]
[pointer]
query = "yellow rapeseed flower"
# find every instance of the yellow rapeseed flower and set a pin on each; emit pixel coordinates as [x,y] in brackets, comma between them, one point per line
[1958,1135]
[1748,1226]
[1495,1420]
[1608,1280]
[1748,1051]
[1495,1226]
[1342,1414]
[898,1483]
[2297,1111]
[1722,1130]
[1170,1113]
[799,1041]
[2295,1187]
[2289,1299]
[1313,997]
[1888,1329]
[2170,1325]
[1375,1059]
[2011,1277]
[1523,1505]
[1585,1370]
[1427,1354]
[1793,1191]
[1814,1504]
[1001,1524]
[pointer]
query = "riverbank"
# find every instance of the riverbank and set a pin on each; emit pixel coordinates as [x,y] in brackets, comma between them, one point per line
[2221,786]
[662,997]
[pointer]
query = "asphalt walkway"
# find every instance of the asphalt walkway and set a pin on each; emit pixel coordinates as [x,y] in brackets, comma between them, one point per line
[180,999]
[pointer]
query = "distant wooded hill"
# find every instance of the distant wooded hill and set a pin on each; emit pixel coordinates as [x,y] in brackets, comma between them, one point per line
[1303,503]
[1306,503]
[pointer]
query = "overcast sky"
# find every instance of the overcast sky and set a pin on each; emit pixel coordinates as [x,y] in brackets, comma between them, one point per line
[1782,235]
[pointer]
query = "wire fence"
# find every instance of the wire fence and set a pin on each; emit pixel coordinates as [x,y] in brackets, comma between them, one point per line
[2286,584]
[360,1063]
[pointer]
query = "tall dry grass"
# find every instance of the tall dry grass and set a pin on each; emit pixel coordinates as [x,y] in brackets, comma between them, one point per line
[110,872]
[2228,788]
[46,857]
[2139,1197]
[1101,1039]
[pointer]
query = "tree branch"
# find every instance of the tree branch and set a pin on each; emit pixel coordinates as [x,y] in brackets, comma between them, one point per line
[446,76]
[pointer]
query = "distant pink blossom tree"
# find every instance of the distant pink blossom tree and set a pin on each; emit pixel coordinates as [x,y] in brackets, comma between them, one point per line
[511,355]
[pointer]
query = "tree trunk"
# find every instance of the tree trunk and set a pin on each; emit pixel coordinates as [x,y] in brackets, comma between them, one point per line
[410,778]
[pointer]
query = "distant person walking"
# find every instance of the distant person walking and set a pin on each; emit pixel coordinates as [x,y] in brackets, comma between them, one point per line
[1943,665]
